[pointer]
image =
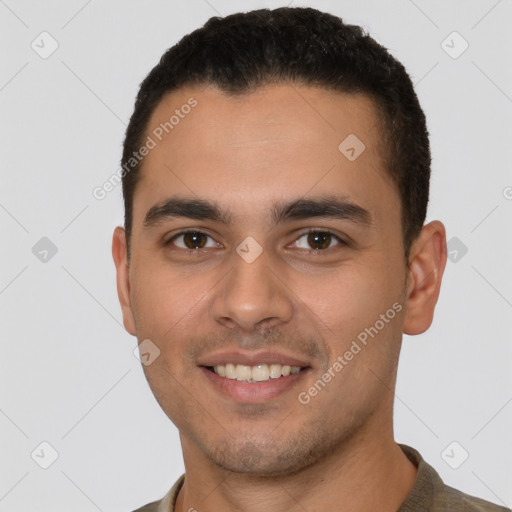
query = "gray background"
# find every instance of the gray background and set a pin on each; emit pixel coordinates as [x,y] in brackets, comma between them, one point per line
[68,373]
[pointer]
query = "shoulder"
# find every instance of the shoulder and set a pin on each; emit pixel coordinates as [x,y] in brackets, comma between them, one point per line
[166,504]
[453,499]
[150,507]
[430,493]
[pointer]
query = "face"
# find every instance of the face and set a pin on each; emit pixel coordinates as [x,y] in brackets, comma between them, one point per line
[259,245]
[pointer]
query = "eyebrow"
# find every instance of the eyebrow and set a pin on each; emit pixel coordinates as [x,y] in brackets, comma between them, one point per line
[201,209]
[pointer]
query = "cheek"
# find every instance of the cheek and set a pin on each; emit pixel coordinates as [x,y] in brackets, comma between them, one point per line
[351,299]
[347,306]
[165,301]
[167,306]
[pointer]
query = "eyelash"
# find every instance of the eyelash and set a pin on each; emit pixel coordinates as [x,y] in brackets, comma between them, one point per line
[324,231]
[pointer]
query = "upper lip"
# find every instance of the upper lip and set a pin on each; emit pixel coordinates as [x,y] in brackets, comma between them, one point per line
[250,359]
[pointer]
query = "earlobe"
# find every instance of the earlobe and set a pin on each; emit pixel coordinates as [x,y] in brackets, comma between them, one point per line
[120,255]
[427,262]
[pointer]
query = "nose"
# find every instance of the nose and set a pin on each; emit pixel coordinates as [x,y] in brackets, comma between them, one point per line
[252,297]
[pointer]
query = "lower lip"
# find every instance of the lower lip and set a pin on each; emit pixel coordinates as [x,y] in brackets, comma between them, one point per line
[255,392]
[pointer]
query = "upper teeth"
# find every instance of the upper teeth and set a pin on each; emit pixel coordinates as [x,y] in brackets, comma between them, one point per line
[257,373]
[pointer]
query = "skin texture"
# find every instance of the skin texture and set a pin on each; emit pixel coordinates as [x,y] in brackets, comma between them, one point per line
[279,143]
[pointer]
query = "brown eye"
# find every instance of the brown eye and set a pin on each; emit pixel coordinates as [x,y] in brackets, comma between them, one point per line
[192,240]
[318,240]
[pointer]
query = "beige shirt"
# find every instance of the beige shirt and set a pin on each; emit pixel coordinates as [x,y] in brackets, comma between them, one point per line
[428,494]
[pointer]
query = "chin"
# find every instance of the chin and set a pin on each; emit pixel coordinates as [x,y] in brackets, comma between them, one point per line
[269,456]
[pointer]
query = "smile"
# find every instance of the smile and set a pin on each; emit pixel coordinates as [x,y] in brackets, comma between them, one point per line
[256,373]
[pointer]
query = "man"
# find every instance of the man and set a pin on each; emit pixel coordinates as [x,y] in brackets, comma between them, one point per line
[275,177]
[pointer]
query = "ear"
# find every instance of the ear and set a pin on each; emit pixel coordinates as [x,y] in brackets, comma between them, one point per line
[427,261]
[120,255]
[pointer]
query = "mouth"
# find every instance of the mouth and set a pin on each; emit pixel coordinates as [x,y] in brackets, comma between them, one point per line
[253,374]
[253,377]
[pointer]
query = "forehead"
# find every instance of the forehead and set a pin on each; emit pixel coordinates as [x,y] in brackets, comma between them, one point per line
[277,141]
[277,113]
